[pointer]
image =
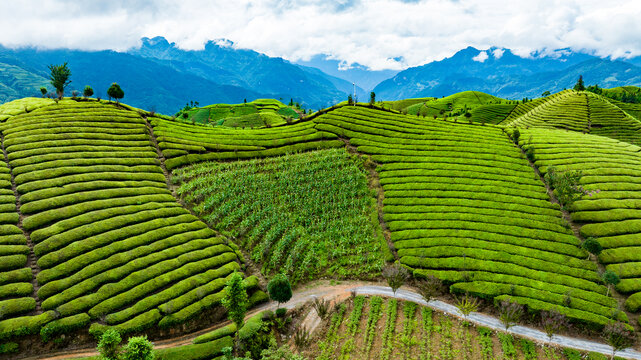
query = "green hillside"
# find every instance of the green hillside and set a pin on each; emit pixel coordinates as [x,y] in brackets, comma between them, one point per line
[453,105]
[115,217]
[255,114]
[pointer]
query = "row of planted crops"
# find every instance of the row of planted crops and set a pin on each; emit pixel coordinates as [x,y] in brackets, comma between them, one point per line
[113,247]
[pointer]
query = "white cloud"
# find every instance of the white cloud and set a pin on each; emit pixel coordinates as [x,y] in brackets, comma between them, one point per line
[369,32]
[481,57]
[498,53]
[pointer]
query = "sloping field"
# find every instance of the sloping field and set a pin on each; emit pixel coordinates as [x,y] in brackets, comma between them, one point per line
[113,246]
[463,204]
[307,215]
[613,215]
[184,144]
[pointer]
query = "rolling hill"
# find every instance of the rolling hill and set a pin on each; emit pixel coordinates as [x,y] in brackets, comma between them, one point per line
[115,217]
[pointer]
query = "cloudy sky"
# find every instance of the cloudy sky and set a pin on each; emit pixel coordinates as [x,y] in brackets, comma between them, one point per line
[381,34]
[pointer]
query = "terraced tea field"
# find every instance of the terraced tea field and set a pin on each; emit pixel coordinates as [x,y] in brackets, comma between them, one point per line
[612,215]
[113,247]
[93,235]
[473,213]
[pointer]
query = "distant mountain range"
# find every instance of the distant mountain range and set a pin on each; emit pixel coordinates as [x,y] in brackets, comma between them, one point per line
[158,75]
[501,73]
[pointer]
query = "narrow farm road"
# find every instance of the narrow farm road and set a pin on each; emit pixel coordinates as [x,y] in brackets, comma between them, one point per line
[344,290]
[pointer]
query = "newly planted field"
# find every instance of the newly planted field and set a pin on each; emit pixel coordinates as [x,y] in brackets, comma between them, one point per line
[113,246]
[377,328]
[307,215]
[463,204]
[184,144]
[613,215]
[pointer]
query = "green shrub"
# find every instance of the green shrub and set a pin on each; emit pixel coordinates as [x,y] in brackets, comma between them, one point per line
[12,262]
[9,348]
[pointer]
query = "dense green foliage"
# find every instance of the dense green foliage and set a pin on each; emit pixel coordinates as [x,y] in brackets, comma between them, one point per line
[279,288]
[462,203]
[235,299]
[304,214]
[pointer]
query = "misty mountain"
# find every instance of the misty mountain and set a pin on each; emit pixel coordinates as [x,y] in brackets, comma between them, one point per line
[501,73]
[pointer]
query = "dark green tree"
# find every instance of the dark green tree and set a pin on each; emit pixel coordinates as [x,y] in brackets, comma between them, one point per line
[115,92]
[43,90]
[87,92]
[545,93]
[350,100]
[595,89]
[138,348]
[610,278]
[579,86]
[108,345]
[279,289]
[60,78]
[372,98]
[593,246]
[235,299]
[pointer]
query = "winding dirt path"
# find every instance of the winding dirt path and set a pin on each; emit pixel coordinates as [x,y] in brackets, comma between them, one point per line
[344,290]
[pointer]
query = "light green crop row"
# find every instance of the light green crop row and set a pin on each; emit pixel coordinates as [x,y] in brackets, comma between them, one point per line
[46,153]
[13,307]
[212,275]
[94,235]
[73,170]
[413,229]
[537,249]
[79,161]
[120,259]
[16,288]
[307,146]
[479,254]
[25,325]
[490,290]
[214,256]
[62,181]
[118,206]
[12,262]
[87,186]
[421,220]
[501,268]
